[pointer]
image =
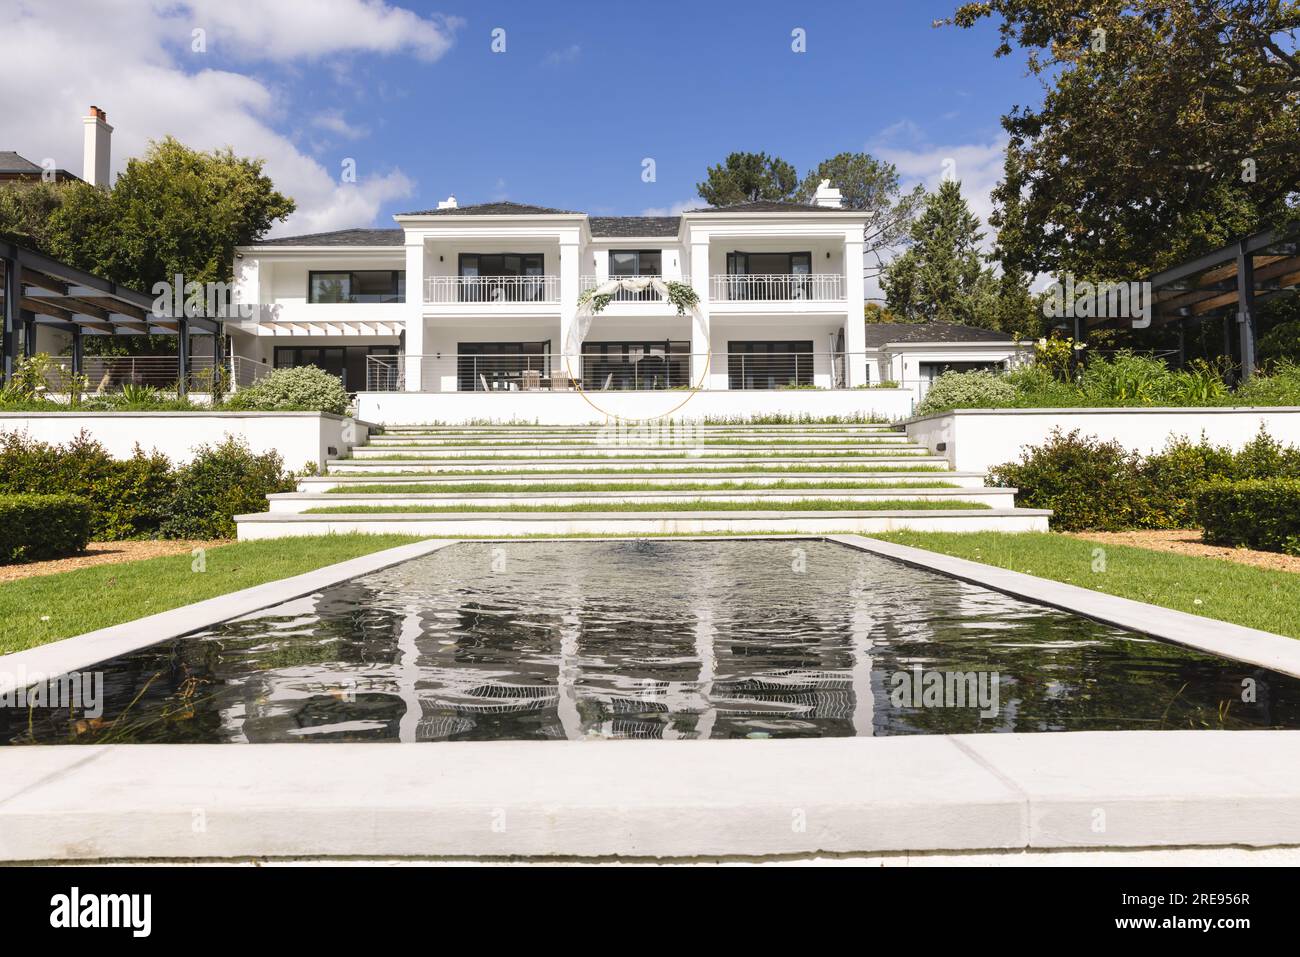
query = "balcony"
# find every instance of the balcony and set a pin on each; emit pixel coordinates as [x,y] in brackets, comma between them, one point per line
[648,295]
[777,287]
[490,290]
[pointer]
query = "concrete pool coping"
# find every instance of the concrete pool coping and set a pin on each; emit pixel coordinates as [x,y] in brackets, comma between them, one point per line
[998,792]
[1009,792]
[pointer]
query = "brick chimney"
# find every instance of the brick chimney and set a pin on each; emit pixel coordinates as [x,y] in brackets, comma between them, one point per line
[99,138]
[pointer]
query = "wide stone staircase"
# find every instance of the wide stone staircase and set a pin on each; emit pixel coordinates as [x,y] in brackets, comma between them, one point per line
[519,480]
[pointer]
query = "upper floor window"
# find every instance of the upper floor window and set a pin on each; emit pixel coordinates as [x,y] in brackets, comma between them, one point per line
[368,285]
[636,262]
[501,264]
[769,264]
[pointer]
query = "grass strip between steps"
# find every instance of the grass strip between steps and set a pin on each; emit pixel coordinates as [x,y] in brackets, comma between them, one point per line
[657,456]
[810,505]
[595,443]
[458,488]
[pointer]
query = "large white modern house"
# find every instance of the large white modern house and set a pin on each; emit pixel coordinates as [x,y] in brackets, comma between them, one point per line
[487,298]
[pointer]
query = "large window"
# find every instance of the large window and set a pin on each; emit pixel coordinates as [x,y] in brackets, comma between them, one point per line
[502,277]
[346,362]
[369,285]
[636,365]
[768,275]
[769,365]
[635,262]
[502,366]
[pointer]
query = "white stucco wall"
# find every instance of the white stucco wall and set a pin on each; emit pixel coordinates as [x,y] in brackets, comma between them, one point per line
[299,437]
[978,439]
[574,408]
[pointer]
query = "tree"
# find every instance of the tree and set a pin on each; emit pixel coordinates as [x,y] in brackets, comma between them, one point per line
[941,277]
[175,210]
[870,185]
[1166,129]
[747,178]
[25,211]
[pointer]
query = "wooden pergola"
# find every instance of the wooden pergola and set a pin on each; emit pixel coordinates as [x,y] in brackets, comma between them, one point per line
[1229,283]
[40,291]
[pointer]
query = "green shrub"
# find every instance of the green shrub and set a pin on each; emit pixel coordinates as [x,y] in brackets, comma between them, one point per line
[1088,483]
[1257,513]
[300,389]
[967,390]
[39,527]
[1280,387]
[1281,344]
[219,482]
[128,497]
[1095,485]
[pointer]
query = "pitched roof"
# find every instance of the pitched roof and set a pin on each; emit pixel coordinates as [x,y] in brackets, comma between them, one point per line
[634,225]
[768,206]
[493,209]
[341,237]
[11,162]
[883,333]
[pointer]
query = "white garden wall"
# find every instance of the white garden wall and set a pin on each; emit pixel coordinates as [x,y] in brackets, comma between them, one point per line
[299,437]
[978,439]
[580,408]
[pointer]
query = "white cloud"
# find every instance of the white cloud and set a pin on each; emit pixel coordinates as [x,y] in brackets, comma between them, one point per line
[568,55]
[676,209]
[134,60]
[334,122]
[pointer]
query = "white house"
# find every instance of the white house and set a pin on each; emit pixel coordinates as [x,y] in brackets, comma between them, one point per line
[486,298]
[917,353]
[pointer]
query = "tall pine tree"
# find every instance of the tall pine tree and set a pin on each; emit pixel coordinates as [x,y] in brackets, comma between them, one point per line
[941,277]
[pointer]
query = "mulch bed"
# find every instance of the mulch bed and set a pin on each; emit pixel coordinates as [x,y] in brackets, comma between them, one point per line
[104,553]
[1185,541]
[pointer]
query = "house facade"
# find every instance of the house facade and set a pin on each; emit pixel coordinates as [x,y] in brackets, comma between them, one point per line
[917,353]
[489,298]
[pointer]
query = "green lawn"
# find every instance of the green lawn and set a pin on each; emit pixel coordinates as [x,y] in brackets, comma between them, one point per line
[1211,587]
[535,487]
[89,598]
[810,505]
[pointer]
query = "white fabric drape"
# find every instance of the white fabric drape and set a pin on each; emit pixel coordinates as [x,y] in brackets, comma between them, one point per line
[634,284]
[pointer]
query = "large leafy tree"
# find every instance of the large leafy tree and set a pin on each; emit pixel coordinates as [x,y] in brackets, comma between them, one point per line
[26,210]
[941,277]
[1166,128]
[174,210]
[748,177]
[872,186]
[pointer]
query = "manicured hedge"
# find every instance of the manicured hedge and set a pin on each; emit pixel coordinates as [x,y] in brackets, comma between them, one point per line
[1258,513]
[145,496]
[1092,485]
[38,527]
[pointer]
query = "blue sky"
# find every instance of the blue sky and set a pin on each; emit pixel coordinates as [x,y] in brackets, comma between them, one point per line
[583,93]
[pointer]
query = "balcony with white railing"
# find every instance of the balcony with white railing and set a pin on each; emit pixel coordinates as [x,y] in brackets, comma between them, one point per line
[777,288]
[486,292]
[647,301]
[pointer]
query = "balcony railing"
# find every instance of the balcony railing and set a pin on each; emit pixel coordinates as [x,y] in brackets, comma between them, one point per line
[492,289]
[627,295]
[650,370]
[777,287]
[107,374]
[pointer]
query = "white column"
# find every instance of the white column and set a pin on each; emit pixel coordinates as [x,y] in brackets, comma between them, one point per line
[855,329]
[699,253]
[414,312]
[570,276]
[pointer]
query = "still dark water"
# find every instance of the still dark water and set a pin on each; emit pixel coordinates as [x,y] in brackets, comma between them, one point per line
[656,640]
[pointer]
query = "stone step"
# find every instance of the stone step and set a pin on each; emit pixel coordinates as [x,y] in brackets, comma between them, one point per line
[810,428]
[490,452]
[321,483]
[265,525]
[488,465]
[886,439]
[297,502]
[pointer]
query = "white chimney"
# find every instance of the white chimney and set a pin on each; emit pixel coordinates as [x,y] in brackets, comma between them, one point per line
[827,195]
[448,203]
[99,136]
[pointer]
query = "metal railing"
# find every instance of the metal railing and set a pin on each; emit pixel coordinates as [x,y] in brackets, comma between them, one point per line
[627,295]
[777,287]
[105,374]
[638,370]
[490,289]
